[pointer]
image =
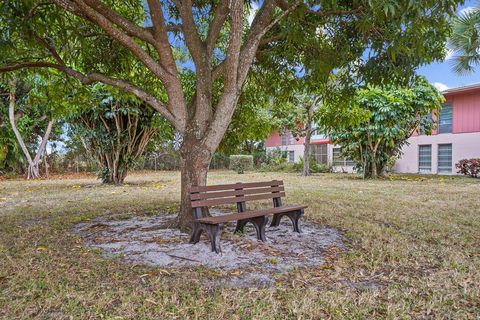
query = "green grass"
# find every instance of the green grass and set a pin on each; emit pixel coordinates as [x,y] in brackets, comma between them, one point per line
[417,237]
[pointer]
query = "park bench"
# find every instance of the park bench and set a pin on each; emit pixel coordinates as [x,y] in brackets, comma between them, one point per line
[203,197]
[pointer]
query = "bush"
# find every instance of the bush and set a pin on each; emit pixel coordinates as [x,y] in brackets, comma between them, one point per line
[314,166]
[241,163]
[469,167]
[219,161]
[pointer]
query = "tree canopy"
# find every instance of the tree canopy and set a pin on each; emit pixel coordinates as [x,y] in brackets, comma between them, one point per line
[465,41]
[394,114]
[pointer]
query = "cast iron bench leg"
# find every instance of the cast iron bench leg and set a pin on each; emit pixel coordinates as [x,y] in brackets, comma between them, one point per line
[294,217]
[214,231]
[276,219]
[240,225]
[260,223]
[197,232]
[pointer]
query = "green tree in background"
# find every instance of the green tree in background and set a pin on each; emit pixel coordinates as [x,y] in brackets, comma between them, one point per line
[395,113]
[30,106]
[115,129]
[465,41]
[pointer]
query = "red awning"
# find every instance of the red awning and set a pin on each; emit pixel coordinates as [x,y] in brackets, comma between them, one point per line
[320,141]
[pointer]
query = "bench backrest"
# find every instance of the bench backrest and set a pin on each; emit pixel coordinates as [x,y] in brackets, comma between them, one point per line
[239,193]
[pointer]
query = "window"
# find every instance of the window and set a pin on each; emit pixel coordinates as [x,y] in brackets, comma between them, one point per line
[445,158]
[319,153]
[349,163]
[445,119]
[284,138]
[291,138]
[291,156]
[425,158]
[339,161]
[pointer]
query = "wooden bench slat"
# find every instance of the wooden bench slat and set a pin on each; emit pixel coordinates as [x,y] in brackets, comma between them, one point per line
[214,202]
[222,194]
[234,186]
[249,214]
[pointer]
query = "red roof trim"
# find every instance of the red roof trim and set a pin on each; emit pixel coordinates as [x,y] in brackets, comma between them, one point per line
[320,142]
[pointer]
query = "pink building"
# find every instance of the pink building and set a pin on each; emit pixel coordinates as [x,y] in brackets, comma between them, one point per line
[456,137]
[321,149]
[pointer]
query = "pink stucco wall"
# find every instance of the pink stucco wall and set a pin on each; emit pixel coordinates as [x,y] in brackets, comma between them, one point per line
[464,146]
[275,139]
[466,111]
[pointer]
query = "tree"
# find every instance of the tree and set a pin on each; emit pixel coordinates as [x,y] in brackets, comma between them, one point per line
[465,41]
[115,132]
[110,42]
[36,116]
[395,113]
[251,122]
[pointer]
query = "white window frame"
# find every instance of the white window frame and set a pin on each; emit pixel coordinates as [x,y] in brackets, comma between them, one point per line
[291,156]
[445,125]
[424,168]
[343,162]
[442,168]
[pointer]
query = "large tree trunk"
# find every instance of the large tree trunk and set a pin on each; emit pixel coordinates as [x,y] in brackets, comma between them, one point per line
[195,162]
[117,172]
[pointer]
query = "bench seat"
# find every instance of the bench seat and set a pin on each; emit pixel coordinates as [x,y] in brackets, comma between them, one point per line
[249,214]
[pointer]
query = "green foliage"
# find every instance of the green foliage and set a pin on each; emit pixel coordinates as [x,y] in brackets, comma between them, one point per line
[115,130]
[465,41]
[395,113]
[37,100]
[469,167]
[314,166]
[241,163]
[252,121]
[277,162]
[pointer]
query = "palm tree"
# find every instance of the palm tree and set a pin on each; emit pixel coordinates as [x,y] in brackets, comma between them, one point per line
[465,41]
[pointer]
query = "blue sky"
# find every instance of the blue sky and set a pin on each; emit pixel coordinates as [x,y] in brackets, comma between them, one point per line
[441,75]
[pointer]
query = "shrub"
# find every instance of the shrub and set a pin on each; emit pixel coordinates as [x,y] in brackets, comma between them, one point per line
[314,166]
[469,167]
[241,163]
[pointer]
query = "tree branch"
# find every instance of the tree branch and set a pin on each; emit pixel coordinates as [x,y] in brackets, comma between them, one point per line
[131,28]
[97,77]
[221,12]
[260,26]
[230,94]
[169,77]
[195,45]
[160,35]
[101,21]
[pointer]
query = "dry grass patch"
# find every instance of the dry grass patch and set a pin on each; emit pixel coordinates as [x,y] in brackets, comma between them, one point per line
[418,238]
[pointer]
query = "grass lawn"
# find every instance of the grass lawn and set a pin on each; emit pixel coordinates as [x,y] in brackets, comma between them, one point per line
[418,238]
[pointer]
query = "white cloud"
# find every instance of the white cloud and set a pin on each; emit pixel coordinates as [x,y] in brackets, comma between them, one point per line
[440,86]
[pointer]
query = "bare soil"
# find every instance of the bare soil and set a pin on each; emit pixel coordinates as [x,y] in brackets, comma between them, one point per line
[150,240]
